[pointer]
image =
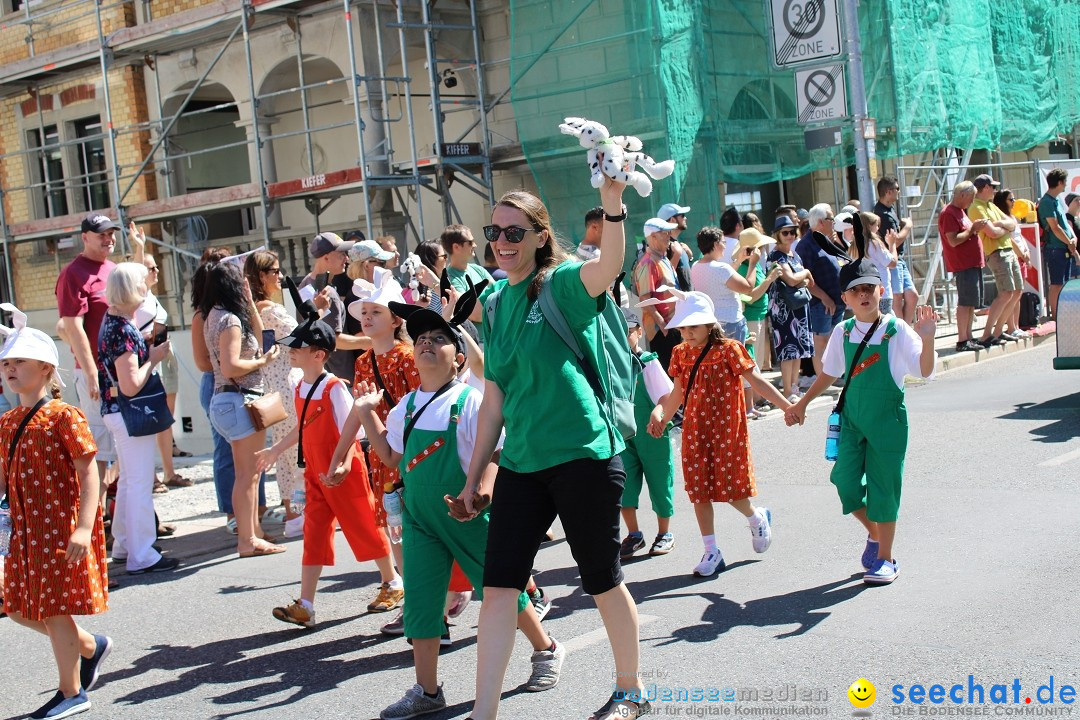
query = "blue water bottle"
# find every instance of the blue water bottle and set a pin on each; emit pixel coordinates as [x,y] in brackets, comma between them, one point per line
[5,528]
[392,506]
[299,500]
[832,437]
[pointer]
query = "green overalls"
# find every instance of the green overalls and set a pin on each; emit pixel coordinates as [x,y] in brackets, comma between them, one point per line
[646,456]
[431,540]
[874,432]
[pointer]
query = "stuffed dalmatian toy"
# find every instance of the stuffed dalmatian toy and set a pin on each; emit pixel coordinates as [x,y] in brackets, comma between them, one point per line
[621,156]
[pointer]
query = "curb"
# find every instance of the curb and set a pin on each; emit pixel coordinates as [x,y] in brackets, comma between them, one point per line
[955,360]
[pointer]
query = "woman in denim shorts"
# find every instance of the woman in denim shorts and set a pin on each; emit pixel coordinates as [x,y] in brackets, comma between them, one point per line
[232,330]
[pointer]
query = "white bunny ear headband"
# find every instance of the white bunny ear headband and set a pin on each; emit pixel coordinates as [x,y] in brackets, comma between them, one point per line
[27,343]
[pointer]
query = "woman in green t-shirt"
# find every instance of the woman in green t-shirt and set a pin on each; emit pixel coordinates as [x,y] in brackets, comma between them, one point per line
[560,456]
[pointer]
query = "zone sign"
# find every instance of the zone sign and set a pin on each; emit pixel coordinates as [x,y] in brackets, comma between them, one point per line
[804,31]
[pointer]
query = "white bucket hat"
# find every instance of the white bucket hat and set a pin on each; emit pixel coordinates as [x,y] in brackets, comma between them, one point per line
[27,343]
[691,308]
[387,292]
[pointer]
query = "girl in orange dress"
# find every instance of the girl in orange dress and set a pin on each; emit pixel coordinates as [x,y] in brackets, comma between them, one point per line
[56,567]
[708,370]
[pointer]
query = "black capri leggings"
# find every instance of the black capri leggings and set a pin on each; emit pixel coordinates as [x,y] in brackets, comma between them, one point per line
[585,494]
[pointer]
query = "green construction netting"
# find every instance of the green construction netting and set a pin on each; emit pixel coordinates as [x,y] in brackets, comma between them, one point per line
[694,80]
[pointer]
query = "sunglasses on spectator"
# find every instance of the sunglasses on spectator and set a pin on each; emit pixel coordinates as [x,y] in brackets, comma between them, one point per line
[514,234]
[787,233]
[273,271]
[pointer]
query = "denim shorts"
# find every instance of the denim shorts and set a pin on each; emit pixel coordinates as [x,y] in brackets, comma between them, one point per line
[735,330]
[1059,264]
[821,322]
[229,416]
[900,278]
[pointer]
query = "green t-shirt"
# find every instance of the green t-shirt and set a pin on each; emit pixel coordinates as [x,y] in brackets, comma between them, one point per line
[757,310]
[1049,208]
[550,412]
[457,277]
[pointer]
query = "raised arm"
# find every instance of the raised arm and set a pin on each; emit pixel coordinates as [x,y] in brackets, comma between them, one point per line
[599,273]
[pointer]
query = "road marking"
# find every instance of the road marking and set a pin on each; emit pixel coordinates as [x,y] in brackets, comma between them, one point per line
[1061,459]
[594,636]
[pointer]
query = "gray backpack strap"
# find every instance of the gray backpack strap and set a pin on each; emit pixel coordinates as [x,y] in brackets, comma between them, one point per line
[555,318]
[490,306]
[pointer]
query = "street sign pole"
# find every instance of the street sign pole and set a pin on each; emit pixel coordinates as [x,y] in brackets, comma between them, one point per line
[858,101]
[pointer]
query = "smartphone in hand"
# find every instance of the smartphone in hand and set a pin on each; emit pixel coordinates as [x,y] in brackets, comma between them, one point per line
[268,340]
[161,337]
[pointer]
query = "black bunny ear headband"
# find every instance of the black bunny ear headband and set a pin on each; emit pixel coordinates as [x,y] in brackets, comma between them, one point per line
[306,308]
[420,319]
[837,251]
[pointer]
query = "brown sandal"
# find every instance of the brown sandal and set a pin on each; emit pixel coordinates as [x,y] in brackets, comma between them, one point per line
[179,481]
[160,488]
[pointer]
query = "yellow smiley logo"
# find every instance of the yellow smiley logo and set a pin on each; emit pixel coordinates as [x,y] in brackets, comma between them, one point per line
[862,693]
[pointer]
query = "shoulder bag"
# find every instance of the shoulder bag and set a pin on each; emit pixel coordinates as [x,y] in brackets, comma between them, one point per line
[146,412]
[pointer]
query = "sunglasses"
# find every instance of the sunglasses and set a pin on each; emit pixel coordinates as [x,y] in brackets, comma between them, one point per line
[788,233]
[514,234]
[273,271]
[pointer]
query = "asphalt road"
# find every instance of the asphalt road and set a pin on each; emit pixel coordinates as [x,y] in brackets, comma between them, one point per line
[987,546]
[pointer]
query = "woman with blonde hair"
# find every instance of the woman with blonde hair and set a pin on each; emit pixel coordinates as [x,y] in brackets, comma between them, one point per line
[125,359]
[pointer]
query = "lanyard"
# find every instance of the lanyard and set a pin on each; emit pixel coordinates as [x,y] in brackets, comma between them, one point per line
[416,416]
[303,413]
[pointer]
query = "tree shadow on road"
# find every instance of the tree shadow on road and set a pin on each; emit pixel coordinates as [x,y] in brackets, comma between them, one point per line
[805,608]
[1064,412]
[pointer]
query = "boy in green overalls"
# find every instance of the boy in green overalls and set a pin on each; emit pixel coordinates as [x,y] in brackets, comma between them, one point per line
[429,435]
[874,428]
[645,456]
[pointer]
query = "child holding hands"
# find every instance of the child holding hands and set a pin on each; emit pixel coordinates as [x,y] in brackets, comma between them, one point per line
[56,568]
[323,403]
[709,370]
[873,419]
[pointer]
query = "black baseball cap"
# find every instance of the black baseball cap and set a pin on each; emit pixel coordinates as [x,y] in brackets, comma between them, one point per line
[860,272]
[983,180]
[1069,199]
[419,320]
[311,333]
[98,223]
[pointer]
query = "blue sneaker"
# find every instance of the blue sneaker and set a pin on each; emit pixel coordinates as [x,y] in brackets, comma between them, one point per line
[90,668]
[869,553]
[883,572]
[62,707]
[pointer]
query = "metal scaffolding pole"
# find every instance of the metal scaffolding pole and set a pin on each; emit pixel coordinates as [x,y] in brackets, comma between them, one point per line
[409,119]
[303,99]
[104,54]
[359,119]
[249,14]
[481,91]
[7,254]
[436,108]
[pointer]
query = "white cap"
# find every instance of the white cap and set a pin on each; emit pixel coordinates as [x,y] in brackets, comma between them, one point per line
[388,292]
[691,308]
[670,210]
[842,221]
[26,343]
[656,225]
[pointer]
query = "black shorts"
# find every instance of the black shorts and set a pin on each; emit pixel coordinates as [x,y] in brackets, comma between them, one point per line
[584,494]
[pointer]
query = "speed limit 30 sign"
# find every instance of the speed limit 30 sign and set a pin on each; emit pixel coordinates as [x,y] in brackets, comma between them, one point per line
[804,31]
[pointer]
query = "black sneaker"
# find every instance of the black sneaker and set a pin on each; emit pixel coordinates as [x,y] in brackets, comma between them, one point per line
[969,346]
[90,668]
[631,544]
[163,565]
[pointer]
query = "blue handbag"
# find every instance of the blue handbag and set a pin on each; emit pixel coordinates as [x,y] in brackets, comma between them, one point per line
[146,413]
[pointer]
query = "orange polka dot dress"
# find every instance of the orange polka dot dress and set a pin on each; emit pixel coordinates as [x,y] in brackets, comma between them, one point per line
[43,492]
[399,374]
[716,461]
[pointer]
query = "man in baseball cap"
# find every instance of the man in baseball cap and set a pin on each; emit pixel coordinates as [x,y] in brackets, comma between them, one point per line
[678,252]
[327,242]
[983,180]
[670,210]
[330,255]
[652,271]
[98,223]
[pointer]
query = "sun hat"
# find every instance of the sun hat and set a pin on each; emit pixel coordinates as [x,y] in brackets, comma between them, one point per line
[387,292]
[27,343]
[691,308]
[752,238]
[842,221]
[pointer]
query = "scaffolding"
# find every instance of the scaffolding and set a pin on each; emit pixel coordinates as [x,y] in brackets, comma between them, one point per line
[388,160]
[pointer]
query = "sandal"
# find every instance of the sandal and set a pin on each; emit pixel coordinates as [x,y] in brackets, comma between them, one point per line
[166,530]
[619,706]
[159,487]
[261,550]
[178,481]
[177,452]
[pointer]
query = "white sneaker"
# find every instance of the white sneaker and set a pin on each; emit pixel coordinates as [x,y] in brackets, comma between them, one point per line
[414,703]
[546,667]
[711,563]
[761,533]
[806,382]
[794,397]
[294,527]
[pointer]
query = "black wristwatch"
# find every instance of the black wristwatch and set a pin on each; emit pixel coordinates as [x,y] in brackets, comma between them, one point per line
[616,218]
